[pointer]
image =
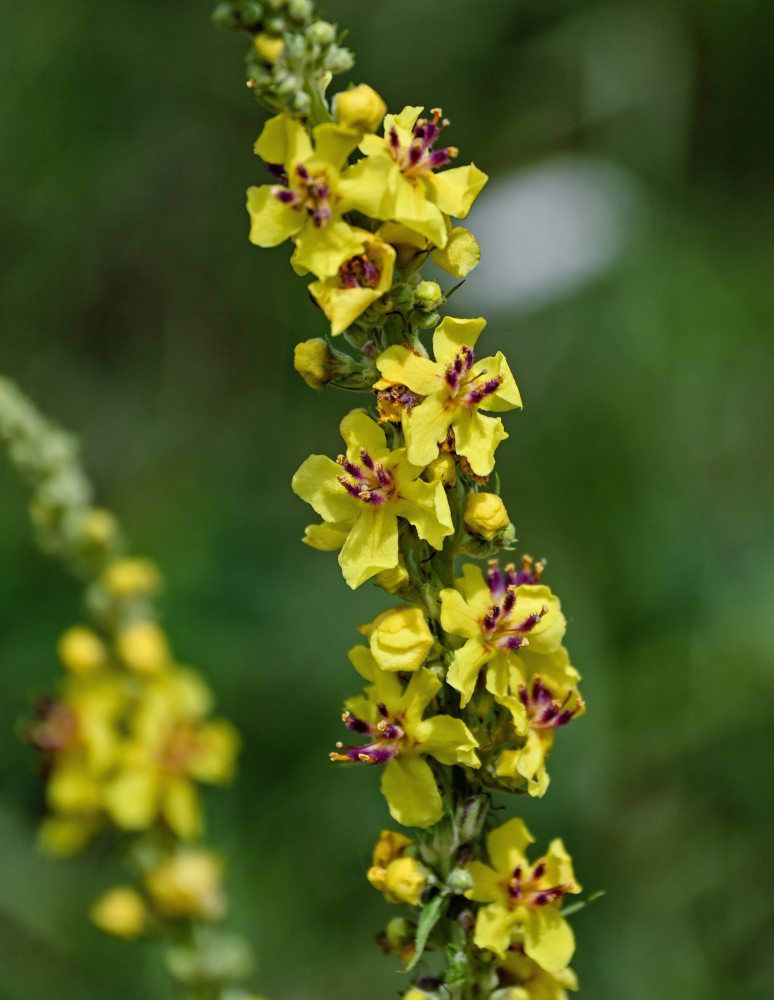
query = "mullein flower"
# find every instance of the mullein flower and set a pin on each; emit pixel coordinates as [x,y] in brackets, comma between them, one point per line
[495,626]
[359,282]
[420,197]
[363,493]
[399,639]
[456,387]
[170,746]
[313,193]
[120,911]
[523,898]
[523,979]
[390,720]
[485,515]
[188,884]
[397,875]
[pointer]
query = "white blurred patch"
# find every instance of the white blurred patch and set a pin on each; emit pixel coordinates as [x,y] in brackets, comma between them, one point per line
[547,231]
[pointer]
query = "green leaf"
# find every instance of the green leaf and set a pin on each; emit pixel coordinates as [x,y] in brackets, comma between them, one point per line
[427,921]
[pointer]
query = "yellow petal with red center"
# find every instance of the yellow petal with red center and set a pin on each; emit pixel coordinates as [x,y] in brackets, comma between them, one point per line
[411,792]
[426,427]
[404,122]
[476,437]
[457,618]
[547,635]
[283,140]
[403,366]
[271,222]
[493,929]
[506,845]
[460,255]
[322,250]
[361,431]
[463,672]
[451,335]
[372,546]
[448,740]
[327,537]
[548,939]
[455,190]
[316,482]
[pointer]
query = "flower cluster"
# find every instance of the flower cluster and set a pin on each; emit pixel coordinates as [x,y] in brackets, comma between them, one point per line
[467,679]
[129,737]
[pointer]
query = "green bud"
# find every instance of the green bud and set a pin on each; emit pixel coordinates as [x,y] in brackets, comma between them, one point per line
[251,13]
[288,83]
[429,321]
[322,32]
[339,60]
[428,294]
[224,16]
[275,4]
[275,25]
[299,102]
[402,295]
[460,881]
[300,10]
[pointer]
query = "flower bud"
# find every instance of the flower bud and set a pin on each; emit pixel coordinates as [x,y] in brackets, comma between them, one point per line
[428,294]
[250,13]
[225,16]
[485,515]
[300,10]
[398,932]
[404,881]
[81,650]
[400,639]
[269,47]
[120,912]
[322,32]
[132,578]
[460,880]
[99,528]
[441,469]
[460,255]
[188,884]
[339,60]
[360,108]
[143,648]
[314,362]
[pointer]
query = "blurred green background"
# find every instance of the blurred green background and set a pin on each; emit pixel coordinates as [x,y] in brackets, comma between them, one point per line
[137,314]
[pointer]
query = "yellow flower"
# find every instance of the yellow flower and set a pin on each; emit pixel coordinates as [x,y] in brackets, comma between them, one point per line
[359,282]
[312,360]
[496,624]
[420,198]
[485,515]
[456,387]
[523,898]
[460,254]
[360,108]
[389,717]
[269,47]
[121,912]
[399,877]
[143,648]
[529,982]
[312,195]
[365,492]
[168,748]
[132,578]
[188,884]
[81,651]
[399,639]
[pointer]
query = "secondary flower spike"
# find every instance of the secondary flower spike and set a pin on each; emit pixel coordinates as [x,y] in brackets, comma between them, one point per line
[456,387]
[364,493]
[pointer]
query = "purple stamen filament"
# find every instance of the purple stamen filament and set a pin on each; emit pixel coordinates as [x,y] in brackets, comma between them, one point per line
[369,482]
[359,272]
[527,891]
[465,387]
[502,628]
[543,710]
[386,739]
[419,157]
[311,194]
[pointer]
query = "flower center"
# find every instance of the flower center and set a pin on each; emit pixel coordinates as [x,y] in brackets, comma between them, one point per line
[530,888]
[369,482]
[385,738]
[179,748]
[311,193]
[419,157]
[501,626]
[359,272]
[498,580]
[543,710]
[464,387]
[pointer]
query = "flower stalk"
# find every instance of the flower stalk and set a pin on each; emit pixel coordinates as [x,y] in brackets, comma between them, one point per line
[467,678]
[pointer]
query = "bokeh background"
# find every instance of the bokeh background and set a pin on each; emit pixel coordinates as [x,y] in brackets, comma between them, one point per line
[627,272]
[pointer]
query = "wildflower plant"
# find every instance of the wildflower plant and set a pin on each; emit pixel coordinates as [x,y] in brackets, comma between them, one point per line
[467,679]
[129,737]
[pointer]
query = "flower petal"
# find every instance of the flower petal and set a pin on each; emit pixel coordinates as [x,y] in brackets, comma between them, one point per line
[453,334]
[322,250]
[455,190]
[506,845]
[460,255]
[463,672]
[316,482]
[361,431]
[456,615]
[426,427]
[400,364]
[271,222]
[448,740]
[548,939]
[476,437]
[412,796]
[372,546]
